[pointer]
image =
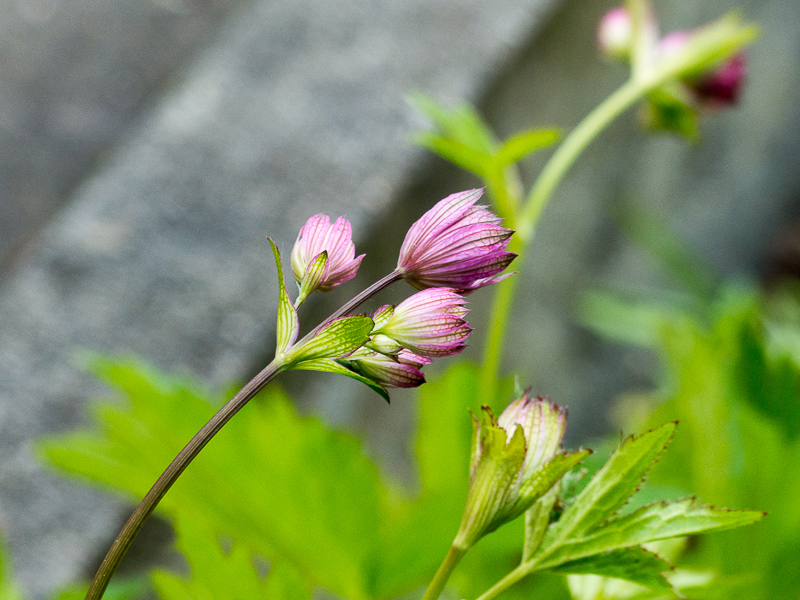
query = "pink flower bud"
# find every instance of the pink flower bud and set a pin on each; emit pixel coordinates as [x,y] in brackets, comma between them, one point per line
[317,236]
[402,371]
[615,33]
[456,245]
[718,87]
[430,323]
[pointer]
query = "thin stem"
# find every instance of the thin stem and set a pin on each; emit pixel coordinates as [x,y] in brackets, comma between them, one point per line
[171,474]
[570,149]
[199,441]
[498,325]
[443,573]
[505,583]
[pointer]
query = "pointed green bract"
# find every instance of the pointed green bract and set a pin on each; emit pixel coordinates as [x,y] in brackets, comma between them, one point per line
[636,565]
[336,339]
[327,365]
[537,519]
[315,273]
[288,323]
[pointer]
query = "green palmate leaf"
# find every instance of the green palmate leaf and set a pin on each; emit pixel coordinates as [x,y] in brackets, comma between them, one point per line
[221,575]
[522,144]
[612,486]
[288,324]
[315,273]
[636,565]
[336,339]
[283,486]
[327,365]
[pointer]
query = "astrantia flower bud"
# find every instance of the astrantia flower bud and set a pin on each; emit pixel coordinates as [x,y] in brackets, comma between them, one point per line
[716,88]
[429,323]
[318,236]
[455,244]
[615,33]
[401,371]
[514,463]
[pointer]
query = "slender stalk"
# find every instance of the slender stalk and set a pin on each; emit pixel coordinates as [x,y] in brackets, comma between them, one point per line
[572,147]
[505,583]
[171,474]
[443,574]
[199,441]
[498,325]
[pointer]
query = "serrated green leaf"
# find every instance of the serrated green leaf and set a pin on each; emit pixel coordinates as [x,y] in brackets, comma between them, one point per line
[288,324]
[315,273]
[612,486]
[225,575]
[636,565]
[283,486]
[327,365]
[648,524]
[336,339]
[520,145]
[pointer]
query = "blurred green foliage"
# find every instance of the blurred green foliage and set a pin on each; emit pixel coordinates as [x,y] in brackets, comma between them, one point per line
[730,373]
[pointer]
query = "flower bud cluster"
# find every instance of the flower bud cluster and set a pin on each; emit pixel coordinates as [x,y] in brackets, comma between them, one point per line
[717,87]
[454,249]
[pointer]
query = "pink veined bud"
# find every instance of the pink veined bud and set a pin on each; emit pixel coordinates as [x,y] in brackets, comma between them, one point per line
[402,371]
[456,244]
[615,33]
[317,236]
[430,323]
[719,87]
[543,425]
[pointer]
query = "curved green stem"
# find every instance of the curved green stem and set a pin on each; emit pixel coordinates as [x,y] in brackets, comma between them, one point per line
[171,474]
[505,583]
[443,574]
[568,152]
[198,442]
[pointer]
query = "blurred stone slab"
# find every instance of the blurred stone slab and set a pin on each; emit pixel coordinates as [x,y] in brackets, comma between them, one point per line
[297,108]
[73,76]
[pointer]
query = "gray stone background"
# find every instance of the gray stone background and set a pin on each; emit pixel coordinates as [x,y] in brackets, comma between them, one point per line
[147,147]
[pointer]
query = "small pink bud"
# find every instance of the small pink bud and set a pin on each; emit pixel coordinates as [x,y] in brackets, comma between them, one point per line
[430,323]
[318,236]
[401,371]
[615,33]
[455,245]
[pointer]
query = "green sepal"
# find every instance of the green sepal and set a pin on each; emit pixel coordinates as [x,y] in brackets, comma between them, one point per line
[549,474]
[315,273]
[336,339]
[636,565]
[288,324]
[537,520]
[327,365]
